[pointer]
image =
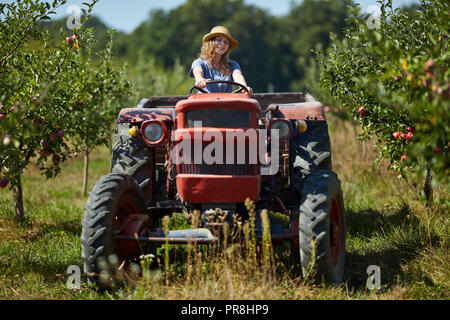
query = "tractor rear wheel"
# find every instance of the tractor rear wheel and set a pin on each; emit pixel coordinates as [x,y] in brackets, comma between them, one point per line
[115,207]
[131,155]
[322,227]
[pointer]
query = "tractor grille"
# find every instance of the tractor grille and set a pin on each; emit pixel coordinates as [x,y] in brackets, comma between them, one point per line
[219,169]
[237,167]
[219,118]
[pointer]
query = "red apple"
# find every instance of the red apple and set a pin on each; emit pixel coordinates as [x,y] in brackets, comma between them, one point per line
[429,64]
[53,135]
[6,139]
[3,182]
[397,78]
[2,115]
[412,129]
[326,109]
[37,122]
[403,135]
[43,143]
[44,152]
[61,133]
[409,135]
[396,135]
[404,157]
[55,159]
[435,87]
[446,92]
[430,74]
[361,111]
[437,150]
[68,40]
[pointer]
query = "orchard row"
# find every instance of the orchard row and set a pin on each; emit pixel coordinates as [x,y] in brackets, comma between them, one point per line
[395,82]
[57,100]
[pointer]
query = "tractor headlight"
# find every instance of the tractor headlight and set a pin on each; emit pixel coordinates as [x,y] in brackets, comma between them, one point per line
[283,126]
[153,132]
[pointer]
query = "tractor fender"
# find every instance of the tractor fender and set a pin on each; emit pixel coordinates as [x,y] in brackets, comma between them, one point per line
[138,115]
[131,155]
[299,111]
[309,150]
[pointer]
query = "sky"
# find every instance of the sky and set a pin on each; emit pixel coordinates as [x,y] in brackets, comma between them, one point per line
[126,15]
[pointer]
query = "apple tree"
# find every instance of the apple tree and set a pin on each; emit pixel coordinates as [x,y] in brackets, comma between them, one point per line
[51,94]
[394,79]
[101,91]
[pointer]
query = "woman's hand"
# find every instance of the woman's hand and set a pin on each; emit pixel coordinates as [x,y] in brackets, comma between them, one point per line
[201,82]
[249,91]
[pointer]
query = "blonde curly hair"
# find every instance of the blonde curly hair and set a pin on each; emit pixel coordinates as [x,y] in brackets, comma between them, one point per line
[207,52]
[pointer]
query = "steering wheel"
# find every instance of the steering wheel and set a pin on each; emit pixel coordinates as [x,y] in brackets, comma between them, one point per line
[242,87]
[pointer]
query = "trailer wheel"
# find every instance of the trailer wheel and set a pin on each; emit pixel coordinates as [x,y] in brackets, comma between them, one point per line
[322,228]
[114,199]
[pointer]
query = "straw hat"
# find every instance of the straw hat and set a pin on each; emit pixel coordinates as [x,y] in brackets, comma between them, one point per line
[221,31]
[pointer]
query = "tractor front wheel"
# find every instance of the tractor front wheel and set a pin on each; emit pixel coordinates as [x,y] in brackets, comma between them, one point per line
[115,207]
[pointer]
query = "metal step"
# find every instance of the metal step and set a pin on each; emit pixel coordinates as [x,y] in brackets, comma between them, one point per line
[199,236]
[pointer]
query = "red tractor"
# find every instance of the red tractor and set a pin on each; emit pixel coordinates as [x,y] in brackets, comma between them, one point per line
[216,150]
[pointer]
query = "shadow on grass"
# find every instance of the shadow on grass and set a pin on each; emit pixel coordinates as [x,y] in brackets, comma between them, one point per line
[45,248]
[72,227]
[387,239]
[367,222]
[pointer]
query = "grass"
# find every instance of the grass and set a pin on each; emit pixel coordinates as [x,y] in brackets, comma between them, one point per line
[388,225]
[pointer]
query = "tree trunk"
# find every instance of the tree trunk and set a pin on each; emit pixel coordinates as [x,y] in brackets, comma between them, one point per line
[111,137]
[18,199]
[427,188]
[86,170]
[364,149]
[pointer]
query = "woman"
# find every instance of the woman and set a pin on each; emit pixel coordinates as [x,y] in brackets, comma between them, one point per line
[213,63]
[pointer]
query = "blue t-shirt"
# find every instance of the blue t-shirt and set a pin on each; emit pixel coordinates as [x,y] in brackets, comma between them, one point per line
[214,75]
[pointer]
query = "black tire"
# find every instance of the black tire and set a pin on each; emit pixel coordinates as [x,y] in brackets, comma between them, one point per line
[322,228]
[112,199]
[131,155]
[310,151]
